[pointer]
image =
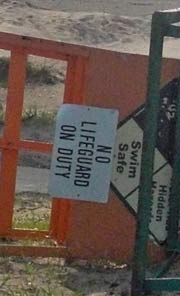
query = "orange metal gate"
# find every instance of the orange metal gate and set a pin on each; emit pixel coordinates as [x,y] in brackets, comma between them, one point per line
[10,143]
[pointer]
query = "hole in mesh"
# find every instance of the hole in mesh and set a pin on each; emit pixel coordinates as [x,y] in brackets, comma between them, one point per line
[32,207]
[33,172]
[44,93]
[31,211]
[4,70]
[34,159]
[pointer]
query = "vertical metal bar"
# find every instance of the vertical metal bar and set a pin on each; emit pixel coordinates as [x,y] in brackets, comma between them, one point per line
[174,200]
[74,94]
[75,79]
[16,82]
[149,142]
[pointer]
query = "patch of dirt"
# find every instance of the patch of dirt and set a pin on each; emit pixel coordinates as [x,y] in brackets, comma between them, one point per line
[55,277]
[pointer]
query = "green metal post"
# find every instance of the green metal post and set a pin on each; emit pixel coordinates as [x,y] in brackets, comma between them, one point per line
[162,25]
[149,142]
[174,200]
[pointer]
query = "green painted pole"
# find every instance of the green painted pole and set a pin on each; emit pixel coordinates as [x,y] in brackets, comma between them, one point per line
[174,200]
[149,142]
[163,284]
[161,26]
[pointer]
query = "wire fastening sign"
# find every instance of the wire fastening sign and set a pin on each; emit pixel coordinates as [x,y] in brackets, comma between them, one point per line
[83,153]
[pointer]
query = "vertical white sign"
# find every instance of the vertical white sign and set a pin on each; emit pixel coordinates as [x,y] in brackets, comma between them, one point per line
[83,153]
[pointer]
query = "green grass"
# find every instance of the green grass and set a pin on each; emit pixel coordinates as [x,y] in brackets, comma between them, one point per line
[40,74]
[38,117]
[31,221]
[34,116]
[36,74]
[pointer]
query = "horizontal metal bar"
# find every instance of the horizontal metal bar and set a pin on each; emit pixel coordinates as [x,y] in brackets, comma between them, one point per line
[173,31]
[162,284]
[32,251]
[36,146]
[29,234]
[170,16]
[43,47]
[26,144]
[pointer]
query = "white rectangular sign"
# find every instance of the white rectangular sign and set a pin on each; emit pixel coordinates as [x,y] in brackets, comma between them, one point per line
[83,153]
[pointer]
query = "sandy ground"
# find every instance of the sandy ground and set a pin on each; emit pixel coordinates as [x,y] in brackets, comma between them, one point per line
[121,25]
[118,24]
